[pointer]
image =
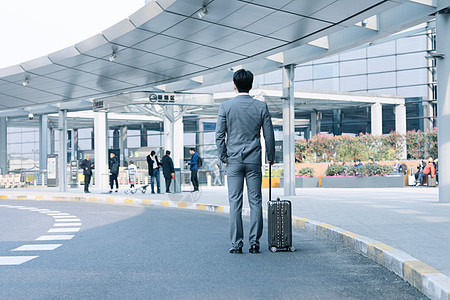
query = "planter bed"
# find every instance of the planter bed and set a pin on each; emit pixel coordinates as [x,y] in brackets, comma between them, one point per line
[304,182]
[363,182]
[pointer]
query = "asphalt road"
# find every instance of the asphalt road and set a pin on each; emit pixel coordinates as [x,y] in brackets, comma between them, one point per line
[133,252]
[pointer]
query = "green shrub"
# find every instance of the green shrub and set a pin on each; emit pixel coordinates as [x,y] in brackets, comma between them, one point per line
[308,172]
[335,170]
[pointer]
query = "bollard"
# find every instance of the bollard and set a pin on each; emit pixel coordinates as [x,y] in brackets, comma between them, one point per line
[208,180]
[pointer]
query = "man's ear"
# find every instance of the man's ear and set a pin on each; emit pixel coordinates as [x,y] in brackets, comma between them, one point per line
[235,88]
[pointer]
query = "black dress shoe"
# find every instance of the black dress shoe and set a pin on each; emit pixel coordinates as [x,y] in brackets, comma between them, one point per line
[236,250]
[254,249]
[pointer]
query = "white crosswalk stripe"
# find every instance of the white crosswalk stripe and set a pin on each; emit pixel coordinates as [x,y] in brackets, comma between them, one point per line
[38,247]
[64,217]
[54,237]
[66,224]
[60,230]
[15,260]
[67,220]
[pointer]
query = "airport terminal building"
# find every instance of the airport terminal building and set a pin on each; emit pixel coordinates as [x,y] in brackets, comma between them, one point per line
[155,81]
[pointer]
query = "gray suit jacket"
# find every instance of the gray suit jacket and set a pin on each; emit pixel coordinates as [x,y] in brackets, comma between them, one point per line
[238,130]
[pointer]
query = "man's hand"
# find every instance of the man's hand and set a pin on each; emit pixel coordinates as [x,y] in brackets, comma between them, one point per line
[271,163]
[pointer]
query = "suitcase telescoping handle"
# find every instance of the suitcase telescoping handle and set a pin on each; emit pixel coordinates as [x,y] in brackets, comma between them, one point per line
[270,181]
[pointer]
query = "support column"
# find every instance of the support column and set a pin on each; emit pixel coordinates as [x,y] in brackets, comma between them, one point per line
[3,146]
[52,141]
[288,130]
[315,123]
[337,120]
[400,126]
[116,139]
[376,116]
[178,147]
[443,89]
[62,164]
[123,145]
[168,135]
[427,113]
[43,142]
[144,142]
[101,150]
[75,144]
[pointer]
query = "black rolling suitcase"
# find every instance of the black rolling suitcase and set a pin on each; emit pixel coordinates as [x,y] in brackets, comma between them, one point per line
[279,217]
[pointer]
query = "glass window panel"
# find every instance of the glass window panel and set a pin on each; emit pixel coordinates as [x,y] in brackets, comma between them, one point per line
[12,130]
[328,59]
[273,77]
[410,77]
[353,83]
[326,70]
[382,80]
[412,60]
[209,138]
[353,67]
[154,140]
[381,49]
[84,133]
[189,139]
[303,73]
[306,85]
[133,132]
[414,91]
[14,148]
[381,64]
[412,44]
[84,144]
[391,91]
[355,54]
[327,84]
[133,141]
[30,147]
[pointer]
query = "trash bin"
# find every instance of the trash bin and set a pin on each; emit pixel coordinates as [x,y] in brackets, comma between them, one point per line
[175,186]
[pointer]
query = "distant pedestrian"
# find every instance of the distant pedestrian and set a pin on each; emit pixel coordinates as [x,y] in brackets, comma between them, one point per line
[153,171]
[168,170]
[194,168]
[114,171]
[358,163]
[87,167]
[217,180]
[371,162]
[429,169]
[132,174]
[239,124]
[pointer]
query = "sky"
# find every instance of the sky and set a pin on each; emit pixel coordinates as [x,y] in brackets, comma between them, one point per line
[33,28]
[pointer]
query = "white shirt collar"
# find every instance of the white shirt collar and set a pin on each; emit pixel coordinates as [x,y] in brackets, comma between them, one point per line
[243,94]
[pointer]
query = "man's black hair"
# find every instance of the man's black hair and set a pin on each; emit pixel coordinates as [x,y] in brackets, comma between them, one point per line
[243,80]
[151,153]
[168,152]
[192,149]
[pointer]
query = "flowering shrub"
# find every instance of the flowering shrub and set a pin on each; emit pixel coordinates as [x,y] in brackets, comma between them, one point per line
[307,172]
[348,148]
[365,170]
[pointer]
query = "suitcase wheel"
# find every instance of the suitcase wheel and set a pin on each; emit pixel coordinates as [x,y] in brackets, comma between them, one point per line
[143,191]
[273,249]
[292,249]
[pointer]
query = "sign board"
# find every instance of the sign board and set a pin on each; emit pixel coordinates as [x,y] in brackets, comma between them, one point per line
[73,174]
[52,170]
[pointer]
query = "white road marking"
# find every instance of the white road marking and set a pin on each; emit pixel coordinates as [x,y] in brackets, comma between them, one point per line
[64,217]
[28,208]
[15,260]
[60,230]
[49,212]
[54,237]
[38,247]
[66,224]
[67,220]
[57,213]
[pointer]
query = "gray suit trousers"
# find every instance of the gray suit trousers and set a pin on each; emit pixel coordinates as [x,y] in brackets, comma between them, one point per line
[253,176]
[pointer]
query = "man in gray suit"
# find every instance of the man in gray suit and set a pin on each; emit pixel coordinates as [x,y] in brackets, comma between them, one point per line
[238,130]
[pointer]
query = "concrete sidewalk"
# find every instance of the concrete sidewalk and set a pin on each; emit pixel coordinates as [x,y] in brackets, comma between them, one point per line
[409,219]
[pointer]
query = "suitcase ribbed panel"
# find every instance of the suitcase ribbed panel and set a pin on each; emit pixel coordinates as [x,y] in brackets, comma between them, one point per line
[279,224]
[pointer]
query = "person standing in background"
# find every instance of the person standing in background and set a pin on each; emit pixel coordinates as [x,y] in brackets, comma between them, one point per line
[153,171]
[168,170]
[87,167]
[114,169]
[194,168]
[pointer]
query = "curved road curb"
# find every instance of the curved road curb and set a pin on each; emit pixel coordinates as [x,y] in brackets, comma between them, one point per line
[425,278]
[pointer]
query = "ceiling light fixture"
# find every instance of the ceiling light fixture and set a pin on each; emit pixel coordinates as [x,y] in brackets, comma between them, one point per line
[202,12]
[113,56]
[26,81]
